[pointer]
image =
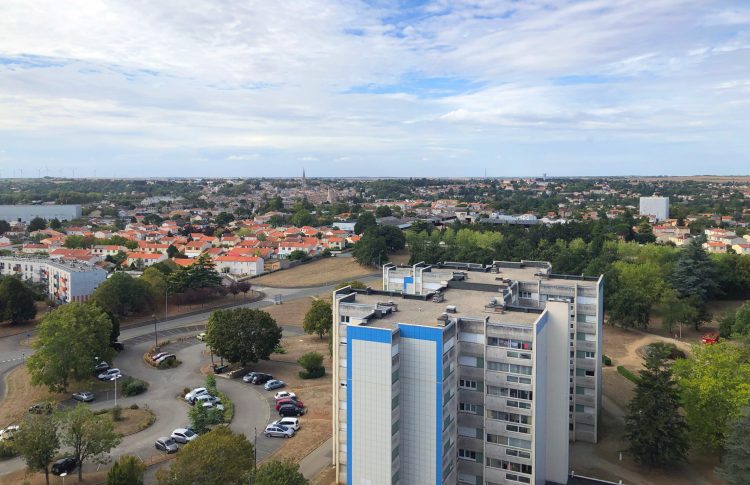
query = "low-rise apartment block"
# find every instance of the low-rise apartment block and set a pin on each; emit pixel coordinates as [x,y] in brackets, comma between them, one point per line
[464,373]
[66,281]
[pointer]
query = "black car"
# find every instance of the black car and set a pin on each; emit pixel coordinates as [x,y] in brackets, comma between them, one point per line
[288,410]
[261,378]
[64,465]
[118,346]
[41,408]
[101,367]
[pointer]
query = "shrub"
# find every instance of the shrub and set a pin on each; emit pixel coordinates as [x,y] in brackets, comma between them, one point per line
[185,390]
[279,349]
[228,407]
[7,450]
[132,386]
[313,364]
[211,384]
[100,412]
[127,470]
[627,374]
[134,406]
[169,363]
[667,349]
[116,413]
[606,360]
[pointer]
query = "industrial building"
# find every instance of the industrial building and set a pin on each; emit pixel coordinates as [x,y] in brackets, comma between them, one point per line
[655,208]
[464,373]
[26,213]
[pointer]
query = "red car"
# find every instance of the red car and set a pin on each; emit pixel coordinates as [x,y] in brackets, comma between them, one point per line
[710,339]
[287,400]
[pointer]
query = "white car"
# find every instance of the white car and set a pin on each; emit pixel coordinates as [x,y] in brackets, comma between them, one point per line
[288,423]
[284,395]
[209,401]
[165,357]
[278,431]
[7,433]
[198,391]
[158,356]
[201,336]
[184,435]
[110,375]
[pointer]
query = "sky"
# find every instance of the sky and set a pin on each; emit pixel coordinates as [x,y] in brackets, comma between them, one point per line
[456,88]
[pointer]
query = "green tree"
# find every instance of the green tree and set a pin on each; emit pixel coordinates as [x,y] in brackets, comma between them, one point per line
[741,325]
[172,251]
[695,273]
[69,340]
[277,472]
[726,324]
[127,470]
[219,457]
[371,250]
[735,464]
[88,435]
[202,418]
[394,237]
[318,318]
[676,310]
[157,283]
[16,301]
[242,335]
[297,254]
[38,442]
[383,211]
[55,224]
[311,361]
[365,221]
[303,218]
[37,224]
[121,294]
[4,226]
[223,218]
[714,386]
[655,430]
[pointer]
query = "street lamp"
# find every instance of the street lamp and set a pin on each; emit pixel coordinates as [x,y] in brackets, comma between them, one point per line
[156,337]
[63,475]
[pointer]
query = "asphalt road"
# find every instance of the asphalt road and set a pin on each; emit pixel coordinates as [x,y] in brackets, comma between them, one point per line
[252,403]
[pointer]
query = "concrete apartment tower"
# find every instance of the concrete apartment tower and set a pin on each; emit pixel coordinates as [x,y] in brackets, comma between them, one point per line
[464,373]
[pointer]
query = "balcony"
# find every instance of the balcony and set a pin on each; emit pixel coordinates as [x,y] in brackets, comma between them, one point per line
[586,309]
[586,381]
[586,327]
[586,345]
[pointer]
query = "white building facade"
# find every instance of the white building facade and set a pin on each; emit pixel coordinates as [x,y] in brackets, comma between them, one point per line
[655,208]
[489,391]
[66,281]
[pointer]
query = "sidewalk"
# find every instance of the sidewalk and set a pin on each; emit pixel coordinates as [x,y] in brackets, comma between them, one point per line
[316,461]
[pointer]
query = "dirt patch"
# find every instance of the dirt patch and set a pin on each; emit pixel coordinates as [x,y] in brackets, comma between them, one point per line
[7,328]
[134,421]
[293,312]
[325,477]
[21,394]
[176,310]
[320,272]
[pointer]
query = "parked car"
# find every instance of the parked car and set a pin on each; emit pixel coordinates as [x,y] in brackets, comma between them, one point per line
[261,378]
[248,378]
[209,401]
[8,433]
[289,400]
[167,445]
[284,394]
[198,391]
[158,356]
[118,346]
[64,465]
[110,374]
[288,410]
[274,384]
[201,336]
[83,396]
[165,357]
[184,435]
[101,367]
[289,423]
[273,430]
[41,408]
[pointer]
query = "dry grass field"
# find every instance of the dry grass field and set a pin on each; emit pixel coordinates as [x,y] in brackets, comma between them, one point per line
[320,272]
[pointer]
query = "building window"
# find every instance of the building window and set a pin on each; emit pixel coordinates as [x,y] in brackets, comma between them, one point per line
[506,441]
[467,454]
[395,427]
[522,380]
[584,354]
[394,453]
[509,417]
[524,294]
[519,355]
[580,408]
[510,368]
[466,384]
[395,401]
[508,465]
[509,342]
[344,318]
[518,453]
[469,408]
[585,372]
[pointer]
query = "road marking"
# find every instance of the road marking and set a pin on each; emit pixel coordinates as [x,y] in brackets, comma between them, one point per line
[11,360]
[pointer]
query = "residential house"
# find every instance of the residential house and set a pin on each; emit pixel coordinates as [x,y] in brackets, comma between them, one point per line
[144,259]
[239,265]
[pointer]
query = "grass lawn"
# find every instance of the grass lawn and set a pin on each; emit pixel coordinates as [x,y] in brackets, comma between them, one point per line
[322,271]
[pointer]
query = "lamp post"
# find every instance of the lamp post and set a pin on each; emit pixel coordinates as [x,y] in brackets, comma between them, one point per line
[156,336]
[115,379]
[63,475]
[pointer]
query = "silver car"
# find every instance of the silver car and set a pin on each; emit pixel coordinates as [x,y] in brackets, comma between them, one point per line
[83,396]
[278,431]
[167,445]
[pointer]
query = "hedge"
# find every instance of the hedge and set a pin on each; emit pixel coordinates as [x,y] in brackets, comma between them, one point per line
[132,386]
[606,360]
[627,374]
[313,373]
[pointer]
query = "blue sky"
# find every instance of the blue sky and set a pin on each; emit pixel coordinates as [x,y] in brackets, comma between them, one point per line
[374,88]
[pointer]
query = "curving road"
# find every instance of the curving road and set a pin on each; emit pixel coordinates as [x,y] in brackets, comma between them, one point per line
[252,403]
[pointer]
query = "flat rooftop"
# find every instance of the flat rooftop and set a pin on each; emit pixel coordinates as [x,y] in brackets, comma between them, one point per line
[469,304]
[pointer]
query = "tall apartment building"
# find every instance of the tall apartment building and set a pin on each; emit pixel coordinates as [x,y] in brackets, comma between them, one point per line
[66,281]
[464,373]
[655,208]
